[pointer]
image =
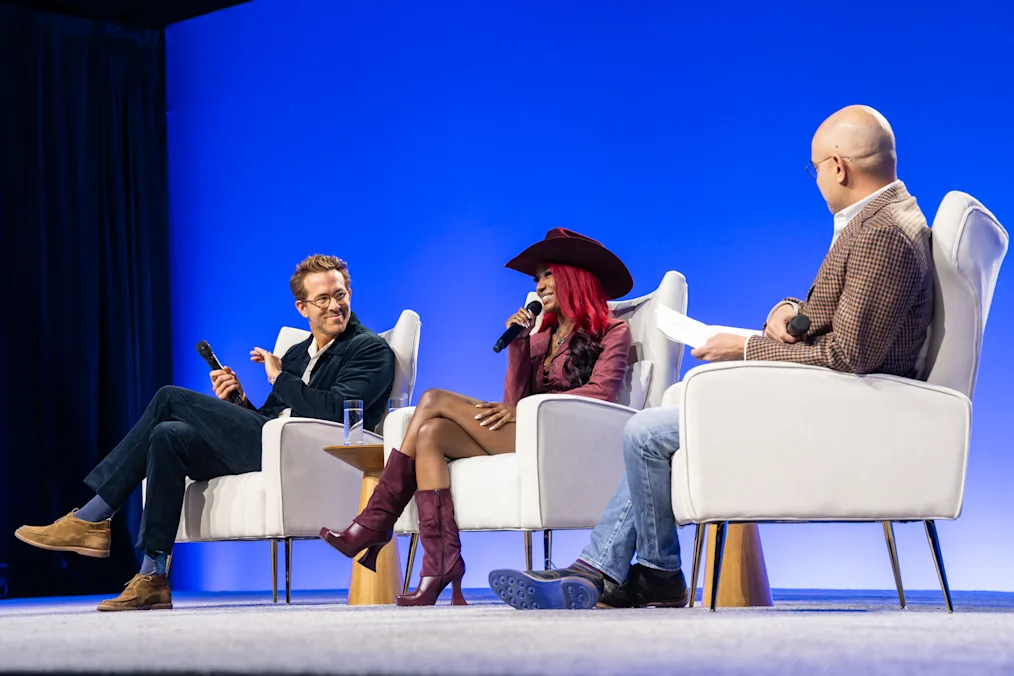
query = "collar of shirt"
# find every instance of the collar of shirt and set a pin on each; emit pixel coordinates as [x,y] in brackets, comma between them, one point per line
[842,218]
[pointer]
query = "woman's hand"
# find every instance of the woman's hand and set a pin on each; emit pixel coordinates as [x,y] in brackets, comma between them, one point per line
[495,415]
[522,318]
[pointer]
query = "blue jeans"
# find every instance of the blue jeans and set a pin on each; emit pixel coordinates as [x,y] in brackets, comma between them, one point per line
[639,516]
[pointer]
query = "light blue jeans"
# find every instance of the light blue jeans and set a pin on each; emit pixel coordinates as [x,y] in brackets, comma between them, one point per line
[639,516]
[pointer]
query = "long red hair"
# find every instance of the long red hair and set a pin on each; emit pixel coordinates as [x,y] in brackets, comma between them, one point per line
[580,296]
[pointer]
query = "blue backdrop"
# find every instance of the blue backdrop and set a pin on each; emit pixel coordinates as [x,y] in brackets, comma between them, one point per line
[428,144]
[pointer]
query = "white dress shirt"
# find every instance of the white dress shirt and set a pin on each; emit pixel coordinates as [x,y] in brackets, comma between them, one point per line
[314,358]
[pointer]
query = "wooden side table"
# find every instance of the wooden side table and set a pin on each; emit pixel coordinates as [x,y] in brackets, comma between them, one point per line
[368,588]
[744,580]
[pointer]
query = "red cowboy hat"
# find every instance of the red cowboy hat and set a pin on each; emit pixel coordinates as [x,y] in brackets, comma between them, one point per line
[571,248]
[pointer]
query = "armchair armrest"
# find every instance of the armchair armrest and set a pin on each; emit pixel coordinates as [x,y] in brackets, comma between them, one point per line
[395,428]
[780,441]
[305,487]
[570,458]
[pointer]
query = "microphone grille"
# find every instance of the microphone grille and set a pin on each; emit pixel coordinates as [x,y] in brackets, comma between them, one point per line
[203,347]
[535,307]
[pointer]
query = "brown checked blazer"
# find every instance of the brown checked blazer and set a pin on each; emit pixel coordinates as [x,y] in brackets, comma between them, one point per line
[872,300]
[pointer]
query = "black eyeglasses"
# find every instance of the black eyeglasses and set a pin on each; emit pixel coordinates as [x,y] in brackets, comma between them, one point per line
[324,302]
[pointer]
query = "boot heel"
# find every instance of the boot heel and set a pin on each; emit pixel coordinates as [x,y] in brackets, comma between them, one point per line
[457,598]
[369,559]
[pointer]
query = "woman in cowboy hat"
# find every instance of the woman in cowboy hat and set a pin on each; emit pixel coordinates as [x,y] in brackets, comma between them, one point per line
[580,349]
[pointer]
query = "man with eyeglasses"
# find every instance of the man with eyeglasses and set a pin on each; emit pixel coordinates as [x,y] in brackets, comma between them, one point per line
[186,434]
[869,311]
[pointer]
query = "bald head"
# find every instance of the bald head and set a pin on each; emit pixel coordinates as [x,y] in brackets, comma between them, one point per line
[857,144]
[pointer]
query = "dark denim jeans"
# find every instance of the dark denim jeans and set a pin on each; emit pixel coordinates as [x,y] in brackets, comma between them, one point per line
[181,434]
[639,516]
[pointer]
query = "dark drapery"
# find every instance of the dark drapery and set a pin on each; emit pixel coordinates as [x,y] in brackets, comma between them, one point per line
[84,290]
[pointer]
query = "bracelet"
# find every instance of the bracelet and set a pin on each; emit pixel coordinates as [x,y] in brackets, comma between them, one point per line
[273,378]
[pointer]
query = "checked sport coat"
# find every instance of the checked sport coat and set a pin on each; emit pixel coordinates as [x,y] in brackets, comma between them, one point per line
[872,301]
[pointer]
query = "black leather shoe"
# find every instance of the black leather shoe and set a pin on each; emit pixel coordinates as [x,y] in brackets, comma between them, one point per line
[617,595]
[658,588]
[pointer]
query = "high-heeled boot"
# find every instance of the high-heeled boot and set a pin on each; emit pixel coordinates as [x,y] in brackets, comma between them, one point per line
[442,563]
[374,527]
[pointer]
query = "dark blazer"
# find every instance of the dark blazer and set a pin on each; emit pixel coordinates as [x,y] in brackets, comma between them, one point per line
[872,301]
[526,374]
[358,365]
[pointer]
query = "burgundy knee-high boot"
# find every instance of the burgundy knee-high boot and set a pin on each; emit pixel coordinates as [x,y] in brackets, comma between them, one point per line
[374,527]
[442,564]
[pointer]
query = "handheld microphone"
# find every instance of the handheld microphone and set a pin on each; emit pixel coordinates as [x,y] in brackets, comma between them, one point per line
[535,307]
[798,327]
[204,349]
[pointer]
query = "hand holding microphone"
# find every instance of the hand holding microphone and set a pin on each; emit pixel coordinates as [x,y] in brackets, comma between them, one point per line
[223,379]
[520,324]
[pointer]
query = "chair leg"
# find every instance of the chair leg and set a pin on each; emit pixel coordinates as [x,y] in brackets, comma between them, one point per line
[892,551]
[938,558]
[168,563]
[717,572]
[698,548]
[410,564]
[547,548]
[288,570]
[528,550]
[274,571]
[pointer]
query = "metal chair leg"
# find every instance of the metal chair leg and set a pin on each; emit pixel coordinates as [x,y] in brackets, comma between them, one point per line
[274,571]
[528,550]
[410,564]
[717,572]
[698,548]
[892,550]
[938,558]
[288,570]
[547,548]
[168,563]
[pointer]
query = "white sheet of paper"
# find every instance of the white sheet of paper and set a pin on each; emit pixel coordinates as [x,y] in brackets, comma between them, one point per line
[680,328]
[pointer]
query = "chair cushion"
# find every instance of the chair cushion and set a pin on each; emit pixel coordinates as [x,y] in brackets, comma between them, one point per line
[226,508]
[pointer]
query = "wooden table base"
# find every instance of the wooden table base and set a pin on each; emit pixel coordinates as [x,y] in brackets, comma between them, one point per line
[744,580]
[367,588]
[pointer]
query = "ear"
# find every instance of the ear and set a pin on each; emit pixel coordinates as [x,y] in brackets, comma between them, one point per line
[301,309]
[841,171]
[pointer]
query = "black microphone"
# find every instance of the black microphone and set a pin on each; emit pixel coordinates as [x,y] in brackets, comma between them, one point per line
[204,349]
[535,307]
[798,327]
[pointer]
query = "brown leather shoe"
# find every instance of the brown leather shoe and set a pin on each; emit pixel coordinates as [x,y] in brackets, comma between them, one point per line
[143,592]
[69,534]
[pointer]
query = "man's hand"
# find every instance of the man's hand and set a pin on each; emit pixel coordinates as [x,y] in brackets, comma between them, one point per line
[721,347]
[272,364]
[495,415]
[777,328]
[225,382]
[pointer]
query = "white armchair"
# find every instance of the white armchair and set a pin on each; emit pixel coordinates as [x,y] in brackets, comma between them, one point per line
[846,448]
[299,487]
[569,459]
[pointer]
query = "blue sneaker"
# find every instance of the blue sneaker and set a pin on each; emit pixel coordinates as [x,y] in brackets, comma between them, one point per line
[562,589]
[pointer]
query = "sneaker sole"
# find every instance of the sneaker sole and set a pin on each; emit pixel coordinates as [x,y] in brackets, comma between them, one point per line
[156,606]
[524,592]
[83,551]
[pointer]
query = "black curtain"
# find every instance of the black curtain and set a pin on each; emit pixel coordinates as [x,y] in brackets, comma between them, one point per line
[84,289]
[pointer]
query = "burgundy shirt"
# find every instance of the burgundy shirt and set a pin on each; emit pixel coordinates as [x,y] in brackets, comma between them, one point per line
[525,366]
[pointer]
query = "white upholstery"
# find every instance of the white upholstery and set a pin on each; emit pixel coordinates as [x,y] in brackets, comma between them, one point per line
[767,441]
[569,453]
[299,488]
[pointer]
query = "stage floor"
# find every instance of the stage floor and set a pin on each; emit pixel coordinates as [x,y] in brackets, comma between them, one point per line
[806,632]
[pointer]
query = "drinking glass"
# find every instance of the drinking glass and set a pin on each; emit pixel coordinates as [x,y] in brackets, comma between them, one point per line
[396,402]
[353,422]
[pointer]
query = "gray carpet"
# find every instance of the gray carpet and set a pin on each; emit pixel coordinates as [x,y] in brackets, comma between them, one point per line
[805,633]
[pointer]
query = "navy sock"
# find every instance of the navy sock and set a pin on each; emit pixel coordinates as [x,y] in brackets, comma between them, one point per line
[96,510]
[154,563]
[590,569]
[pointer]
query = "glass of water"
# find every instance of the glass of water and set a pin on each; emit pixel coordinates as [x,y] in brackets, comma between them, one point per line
[396,402]
[353,422]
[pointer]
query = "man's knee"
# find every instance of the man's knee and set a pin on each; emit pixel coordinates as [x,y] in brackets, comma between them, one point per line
[168,438]
[168,393]
[647,425]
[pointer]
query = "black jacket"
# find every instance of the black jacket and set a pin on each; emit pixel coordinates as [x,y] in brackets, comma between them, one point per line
[358,365]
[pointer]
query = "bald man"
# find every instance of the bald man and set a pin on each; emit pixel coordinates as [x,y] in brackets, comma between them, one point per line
[869,312]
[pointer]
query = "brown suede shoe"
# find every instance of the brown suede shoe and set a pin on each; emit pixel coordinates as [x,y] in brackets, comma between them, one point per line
[143,592]
[69,534]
